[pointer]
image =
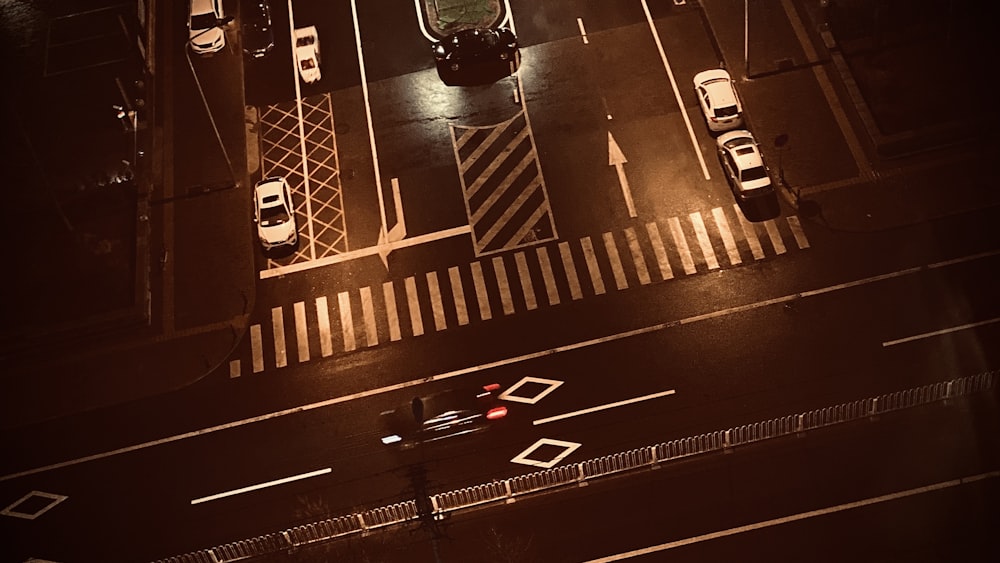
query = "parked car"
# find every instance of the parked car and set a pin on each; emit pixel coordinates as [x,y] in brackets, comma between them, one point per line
[307,54]
[744,166]
[258,34]
[476,55]
[205,34]
[438,416]
[273,213]
[718,100]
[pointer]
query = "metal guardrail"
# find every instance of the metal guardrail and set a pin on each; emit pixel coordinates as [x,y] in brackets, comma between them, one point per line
[563,475]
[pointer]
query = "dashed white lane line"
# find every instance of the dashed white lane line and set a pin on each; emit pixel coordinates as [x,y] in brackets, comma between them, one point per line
[259,486]
[603,407]
[509,361]
[939,332]
[796,517]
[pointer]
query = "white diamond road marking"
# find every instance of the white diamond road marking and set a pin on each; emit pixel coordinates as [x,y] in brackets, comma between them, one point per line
[568,448]
[550,386]
[53,499]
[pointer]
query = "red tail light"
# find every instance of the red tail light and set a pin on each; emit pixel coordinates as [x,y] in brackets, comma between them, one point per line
[496,413]
[491,387]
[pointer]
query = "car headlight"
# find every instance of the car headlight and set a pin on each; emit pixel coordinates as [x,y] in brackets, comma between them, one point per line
[439,50]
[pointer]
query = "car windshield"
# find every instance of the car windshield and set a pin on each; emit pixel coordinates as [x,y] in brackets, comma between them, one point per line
[203,21]
[755,173]
[308,64]
[727,111]
[272,216]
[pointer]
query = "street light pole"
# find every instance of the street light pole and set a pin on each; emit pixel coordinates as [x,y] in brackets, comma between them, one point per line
[204,100]
[746,39]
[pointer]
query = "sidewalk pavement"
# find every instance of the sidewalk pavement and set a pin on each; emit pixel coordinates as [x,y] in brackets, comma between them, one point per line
[444,17]
[79,334]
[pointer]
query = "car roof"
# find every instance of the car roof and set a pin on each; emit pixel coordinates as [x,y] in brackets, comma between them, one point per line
[743,148]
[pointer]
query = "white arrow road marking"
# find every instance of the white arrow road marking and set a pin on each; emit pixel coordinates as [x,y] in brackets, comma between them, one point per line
[617,159]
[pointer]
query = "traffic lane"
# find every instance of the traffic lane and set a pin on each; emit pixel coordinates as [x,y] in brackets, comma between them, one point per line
[392,39]
[554,21]
[745,486]
[866,255]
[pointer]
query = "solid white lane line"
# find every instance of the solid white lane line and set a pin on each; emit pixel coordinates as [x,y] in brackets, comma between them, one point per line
[677,93]
[939,332]
[262,485]
[603,407]
[796,517]
[506,362]
[368,112]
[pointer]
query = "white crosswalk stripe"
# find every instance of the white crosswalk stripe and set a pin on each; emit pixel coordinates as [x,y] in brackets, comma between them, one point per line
[425,293]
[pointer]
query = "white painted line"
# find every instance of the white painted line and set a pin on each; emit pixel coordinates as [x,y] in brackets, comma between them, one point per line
[616,261]
[680,242]
[500,272]
[301,331]
[302,136]
[524,275]
[637,257]
[750,233]
[234,368]
[795,517]
[420,22]
[509,361]
[262,485]
[775,236]
[389,295]
[457,293]
[368,312]
[939,332]
[583,32]
[413,304]
[437,307]
[256,348]
[727,236]
[701,233]
[797,232]
[323,320]
[568,448]
[666,272]
[592,267]
[346,321]
[551,290]
[575,291]
[677,93]
[603,407]
[482,297]
[368,113]
[278,326]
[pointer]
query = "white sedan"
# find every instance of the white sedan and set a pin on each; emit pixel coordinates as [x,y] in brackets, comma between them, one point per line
[273,213]
[741,160]
[205,33]
[307,53]
[718,100]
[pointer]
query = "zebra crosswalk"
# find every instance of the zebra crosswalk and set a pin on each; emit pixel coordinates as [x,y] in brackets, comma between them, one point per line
[527,279]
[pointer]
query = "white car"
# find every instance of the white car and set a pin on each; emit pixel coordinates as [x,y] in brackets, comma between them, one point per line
[717,97]
[307,53]
[273,213]
[204,32]
[744,167]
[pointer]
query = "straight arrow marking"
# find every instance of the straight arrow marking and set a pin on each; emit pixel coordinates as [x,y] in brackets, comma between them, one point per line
[617,159]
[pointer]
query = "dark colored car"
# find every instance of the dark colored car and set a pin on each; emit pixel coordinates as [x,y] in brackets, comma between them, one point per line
[452,413]
[477,56]
[258,35]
